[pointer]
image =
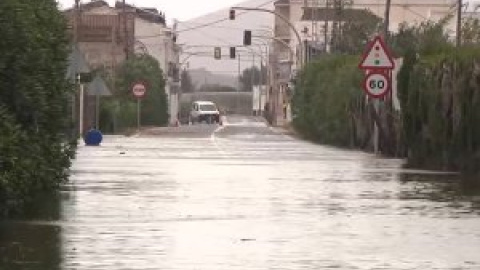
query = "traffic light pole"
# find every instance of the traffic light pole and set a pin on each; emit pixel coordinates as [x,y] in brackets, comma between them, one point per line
[300,43]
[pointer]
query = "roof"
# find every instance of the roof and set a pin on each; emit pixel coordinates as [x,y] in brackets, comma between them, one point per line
[90,5]
[147,14]
[323,14]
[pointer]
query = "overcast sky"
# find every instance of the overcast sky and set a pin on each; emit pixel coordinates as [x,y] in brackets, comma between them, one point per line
[173,9]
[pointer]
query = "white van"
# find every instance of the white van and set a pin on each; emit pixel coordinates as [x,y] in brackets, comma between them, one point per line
[204,111]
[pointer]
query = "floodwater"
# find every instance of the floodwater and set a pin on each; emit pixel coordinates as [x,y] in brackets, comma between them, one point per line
[245,197]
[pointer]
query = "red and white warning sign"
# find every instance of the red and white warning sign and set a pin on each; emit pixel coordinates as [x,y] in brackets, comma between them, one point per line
[376,84]
[377,56]
[139,89]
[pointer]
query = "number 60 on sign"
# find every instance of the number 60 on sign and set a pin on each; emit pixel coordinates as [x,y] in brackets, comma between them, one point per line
[376,85]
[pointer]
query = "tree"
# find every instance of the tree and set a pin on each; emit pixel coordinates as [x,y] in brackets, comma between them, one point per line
[252,76]
[357,31]
[35,151]
[186,82]
[470,32]
[428,37]
[145,69]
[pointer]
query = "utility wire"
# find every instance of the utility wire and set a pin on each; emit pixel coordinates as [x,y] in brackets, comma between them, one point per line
[227,43]
[221,20]
[214,26]
[207,24]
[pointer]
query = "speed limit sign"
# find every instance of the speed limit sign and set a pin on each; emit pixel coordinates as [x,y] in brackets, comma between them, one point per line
[376,84]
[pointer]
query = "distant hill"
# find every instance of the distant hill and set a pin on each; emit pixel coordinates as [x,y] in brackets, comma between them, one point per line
[225,34]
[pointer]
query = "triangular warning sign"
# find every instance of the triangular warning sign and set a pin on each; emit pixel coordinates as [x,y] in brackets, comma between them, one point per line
[377,56]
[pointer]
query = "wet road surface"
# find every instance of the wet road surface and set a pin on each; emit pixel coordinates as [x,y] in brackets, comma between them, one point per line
[245,196]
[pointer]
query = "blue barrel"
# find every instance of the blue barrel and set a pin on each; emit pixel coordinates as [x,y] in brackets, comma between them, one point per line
[93,137]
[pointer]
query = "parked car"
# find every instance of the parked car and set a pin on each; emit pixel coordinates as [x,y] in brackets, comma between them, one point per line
[204,111]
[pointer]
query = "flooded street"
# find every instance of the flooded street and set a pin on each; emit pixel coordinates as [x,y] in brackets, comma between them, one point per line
[245,196]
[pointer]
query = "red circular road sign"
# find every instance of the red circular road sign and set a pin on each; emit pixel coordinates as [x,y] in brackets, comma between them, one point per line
[139,89]
[376,84]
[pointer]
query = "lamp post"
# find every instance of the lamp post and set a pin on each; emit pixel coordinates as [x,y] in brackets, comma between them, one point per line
[262,79]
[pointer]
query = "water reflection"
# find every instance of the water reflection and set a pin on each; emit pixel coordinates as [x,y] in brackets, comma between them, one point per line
[32,243]
[452,195]
[439,188]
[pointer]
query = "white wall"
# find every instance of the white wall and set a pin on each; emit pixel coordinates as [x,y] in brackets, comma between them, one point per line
[157,39]
[153,37]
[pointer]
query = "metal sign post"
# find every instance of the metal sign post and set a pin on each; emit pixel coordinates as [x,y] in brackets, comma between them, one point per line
[97,111]
[80,128]
[139,103]
[139,90]
[81,110]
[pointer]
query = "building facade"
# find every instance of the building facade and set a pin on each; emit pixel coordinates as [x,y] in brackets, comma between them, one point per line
[155,38]
[107,35]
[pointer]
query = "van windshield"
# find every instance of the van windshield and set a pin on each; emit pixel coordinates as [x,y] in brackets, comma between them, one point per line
[207,107]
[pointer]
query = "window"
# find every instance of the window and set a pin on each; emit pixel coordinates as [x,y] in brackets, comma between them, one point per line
[208,107]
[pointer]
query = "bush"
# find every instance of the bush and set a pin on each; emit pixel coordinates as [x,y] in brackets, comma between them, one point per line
[442,111]
[34,99]
[323,97]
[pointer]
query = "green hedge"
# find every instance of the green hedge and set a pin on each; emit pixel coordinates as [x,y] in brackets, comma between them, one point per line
[35,152]
[323,99]
[441,110]
[439,125]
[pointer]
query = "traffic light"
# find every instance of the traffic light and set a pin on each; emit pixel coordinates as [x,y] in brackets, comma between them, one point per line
[232,14]
[232,53]
[247,37]
[217,53]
